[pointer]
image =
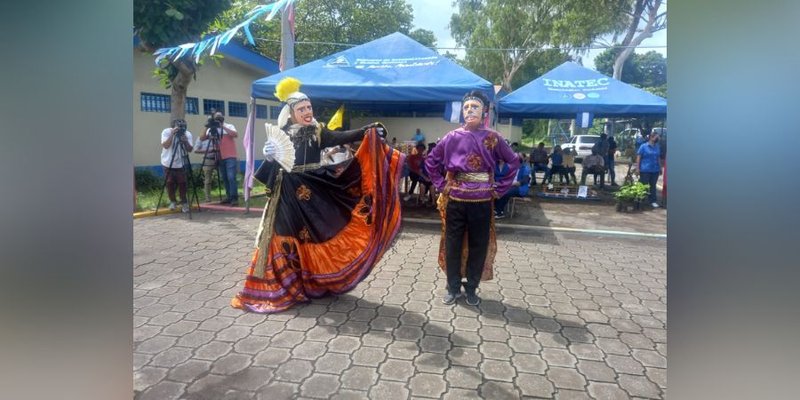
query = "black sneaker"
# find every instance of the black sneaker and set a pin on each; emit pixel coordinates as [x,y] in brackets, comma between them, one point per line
[234,203]
[499,215]
[473,299]
[450,298]
[226,201]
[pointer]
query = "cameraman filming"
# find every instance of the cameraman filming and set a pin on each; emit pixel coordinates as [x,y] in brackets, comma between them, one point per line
[173,163]
[226,133]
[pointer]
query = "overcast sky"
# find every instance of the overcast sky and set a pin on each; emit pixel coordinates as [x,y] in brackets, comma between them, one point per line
[434,15]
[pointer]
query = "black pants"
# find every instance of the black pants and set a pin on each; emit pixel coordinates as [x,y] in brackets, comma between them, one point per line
[650,178]
[595,170]
[422,181]
[473,218]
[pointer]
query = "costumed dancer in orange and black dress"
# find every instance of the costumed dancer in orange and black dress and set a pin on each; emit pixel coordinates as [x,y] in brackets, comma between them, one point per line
[325,227]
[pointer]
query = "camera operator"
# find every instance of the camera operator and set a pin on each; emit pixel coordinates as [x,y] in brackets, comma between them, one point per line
[226,133]
[173,163]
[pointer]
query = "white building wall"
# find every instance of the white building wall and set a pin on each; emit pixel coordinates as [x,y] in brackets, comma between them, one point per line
[228,82]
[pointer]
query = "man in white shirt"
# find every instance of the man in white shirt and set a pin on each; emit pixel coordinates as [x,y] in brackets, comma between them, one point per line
[176,142]
[595,165]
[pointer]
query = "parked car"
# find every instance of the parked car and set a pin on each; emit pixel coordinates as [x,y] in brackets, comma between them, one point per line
[581,145]
[627,139]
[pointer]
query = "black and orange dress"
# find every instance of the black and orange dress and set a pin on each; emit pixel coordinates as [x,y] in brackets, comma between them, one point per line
[325,227]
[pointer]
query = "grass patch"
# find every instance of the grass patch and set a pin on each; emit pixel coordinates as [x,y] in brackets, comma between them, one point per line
[147,200]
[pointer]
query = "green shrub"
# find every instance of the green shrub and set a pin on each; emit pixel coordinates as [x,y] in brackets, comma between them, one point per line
[634,192]
[146,180]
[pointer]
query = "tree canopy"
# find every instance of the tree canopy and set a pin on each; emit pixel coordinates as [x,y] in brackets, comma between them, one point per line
[163,24]
[647,71]
[325,27]
[502,36]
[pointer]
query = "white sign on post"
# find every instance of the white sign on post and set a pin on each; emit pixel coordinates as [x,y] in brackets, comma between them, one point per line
[583,191]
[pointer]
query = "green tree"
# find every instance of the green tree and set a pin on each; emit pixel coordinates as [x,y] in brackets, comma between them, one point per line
[165,24]
[424,36]
[604,63]
[502,35]
[652,68]
[647,71]
[325,27]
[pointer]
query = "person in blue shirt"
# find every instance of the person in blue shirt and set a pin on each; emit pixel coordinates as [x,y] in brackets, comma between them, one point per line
[557,159]
[419,137]
[648,162]
[520,187]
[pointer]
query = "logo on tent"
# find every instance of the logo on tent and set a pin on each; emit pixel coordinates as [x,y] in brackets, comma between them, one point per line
[340,61]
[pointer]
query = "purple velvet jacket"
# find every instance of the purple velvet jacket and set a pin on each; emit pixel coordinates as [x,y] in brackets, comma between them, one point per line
[463,150]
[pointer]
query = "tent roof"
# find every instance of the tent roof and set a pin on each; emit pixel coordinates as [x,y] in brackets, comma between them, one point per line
[570,88]
[394,68]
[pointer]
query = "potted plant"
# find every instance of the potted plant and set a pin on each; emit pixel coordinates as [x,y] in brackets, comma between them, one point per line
[631,195]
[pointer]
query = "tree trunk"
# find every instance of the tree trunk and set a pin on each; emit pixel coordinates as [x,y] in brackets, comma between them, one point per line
[180,85]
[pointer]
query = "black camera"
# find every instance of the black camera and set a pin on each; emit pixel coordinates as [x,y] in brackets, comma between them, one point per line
[213,123]
[181,125]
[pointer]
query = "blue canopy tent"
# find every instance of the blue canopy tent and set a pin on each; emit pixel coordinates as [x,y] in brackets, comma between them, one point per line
[570,89]
[391,73]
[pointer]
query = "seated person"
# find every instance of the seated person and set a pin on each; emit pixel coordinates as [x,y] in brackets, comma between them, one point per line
[593,164]
[500,170]
[569,165]
[539,159]
[416,172]
[519,188]
[558,166]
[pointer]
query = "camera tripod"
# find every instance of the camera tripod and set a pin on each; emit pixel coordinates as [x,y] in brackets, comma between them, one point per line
[179,151]
[212,149]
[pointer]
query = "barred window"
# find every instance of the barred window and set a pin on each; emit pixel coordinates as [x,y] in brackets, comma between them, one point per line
[236,109]
[192,105]
[261,111]
[153,102]
[274,111]
[218,105]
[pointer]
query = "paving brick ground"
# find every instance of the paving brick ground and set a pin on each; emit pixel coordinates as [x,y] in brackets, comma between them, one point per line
[568,316]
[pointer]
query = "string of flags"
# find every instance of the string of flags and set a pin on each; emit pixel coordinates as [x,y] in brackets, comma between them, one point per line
[213,42]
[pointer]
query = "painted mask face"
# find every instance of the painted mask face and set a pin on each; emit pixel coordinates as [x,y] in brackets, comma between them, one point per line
[302,113]
[473,112]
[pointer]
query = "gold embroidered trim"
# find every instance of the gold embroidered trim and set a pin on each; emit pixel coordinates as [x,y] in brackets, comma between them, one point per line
[452,198]
[305,167]
[264,235]
[490,142]
[474,161]
[303,193]
[304,234]
[486,189]
[480,177]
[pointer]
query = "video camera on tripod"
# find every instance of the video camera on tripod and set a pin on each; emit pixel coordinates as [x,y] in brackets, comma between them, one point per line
[181,125]
[214,124]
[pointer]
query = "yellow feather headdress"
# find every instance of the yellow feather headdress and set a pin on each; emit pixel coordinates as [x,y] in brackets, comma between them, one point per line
[286,87]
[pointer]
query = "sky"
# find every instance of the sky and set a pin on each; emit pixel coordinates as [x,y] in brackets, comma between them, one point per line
[434,15]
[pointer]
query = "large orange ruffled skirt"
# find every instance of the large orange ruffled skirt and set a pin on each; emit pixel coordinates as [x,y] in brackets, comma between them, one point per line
[316,251]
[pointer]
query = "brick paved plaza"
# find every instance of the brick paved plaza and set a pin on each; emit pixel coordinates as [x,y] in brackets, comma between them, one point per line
[568,316]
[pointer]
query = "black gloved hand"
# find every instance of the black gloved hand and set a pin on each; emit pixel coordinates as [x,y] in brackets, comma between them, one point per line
[379,127]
